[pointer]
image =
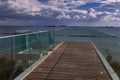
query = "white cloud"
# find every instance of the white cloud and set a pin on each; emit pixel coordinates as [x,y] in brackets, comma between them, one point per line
[34,7]
[63,16]
[76,3]
[117,10]
[84,17]
[65,2]
[26,6]
[92,13]
[84,12]
[60,9]
[111,18]
[76,17]
[110,1]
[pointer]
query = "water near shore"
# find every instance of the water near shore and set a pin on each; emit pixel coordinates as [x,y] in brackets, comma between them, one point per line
[12,29]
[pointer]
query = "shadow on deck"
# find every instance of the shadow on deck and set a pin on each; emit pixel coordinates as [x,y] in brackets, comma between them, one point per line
[71,61]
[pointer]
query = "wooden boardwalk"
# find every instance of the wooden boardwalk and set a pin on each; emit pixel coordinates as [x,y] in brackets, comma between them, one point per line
[71,61]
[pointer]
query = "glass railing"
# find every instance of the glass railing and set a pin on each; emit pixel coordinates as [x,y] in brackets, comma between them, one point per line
[108,45]
[73,35]
[18,52]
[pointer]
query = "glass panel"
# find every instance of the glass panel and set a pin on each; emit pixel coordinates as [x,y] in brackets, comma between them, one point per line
[109,46]
[21,53]
[50,39]
[73,35]
[44,41]
[7,62]
[34,46]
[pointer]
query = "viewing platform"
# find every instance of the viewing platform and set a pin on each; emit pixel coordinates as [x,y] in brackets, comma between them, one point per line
[63,54]
[71,61]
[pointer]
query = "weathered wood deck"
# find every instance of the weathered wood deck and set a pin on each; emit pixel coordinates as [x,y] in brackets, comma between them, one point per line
[71,61]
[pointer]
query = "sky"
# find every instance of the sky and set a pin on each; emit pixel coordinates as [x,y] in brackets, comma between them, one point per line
[60,12]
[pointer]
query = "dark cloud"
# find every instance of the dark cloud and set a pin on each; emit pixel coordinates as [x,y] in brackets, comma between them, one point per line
[110,6]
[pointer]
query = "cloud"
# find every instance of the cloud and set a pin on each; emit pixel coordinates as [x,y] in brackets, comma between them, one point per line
[84,12]
[27,7]
[92,13]
[33,8]
[57,11]
[110,4]
[110,1]
[74,3]
[111,18]
[63,16]
[76,17]
[117,10]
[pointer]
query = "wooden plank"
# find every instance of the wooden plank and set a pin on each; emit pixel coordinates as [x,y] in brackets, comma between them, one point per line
[71,61]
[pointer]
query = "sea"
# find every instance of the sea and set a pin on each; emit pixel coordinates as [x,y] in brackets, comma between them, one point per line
[13,29]
[107,45]
[9,30]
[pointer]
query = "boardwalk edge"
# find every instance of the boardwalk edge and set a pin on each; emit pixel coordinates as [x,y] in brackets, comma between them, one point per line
[33,66]
[111,72]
